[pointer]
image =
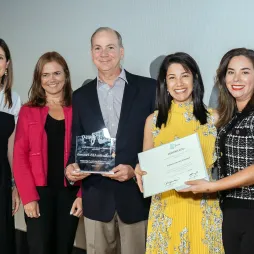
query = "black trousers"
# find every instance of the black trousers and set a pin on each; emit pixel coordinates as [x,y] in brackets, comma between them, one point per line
[238,227]
[54,231]
[7,232]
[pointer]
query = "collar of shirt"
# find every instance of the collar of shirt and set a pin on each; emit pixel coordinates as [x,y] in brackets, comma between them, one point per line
[122,76]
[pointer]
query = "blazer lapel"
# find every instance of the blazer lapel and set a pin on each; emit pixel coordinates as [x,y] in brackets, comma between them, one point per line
[130,92]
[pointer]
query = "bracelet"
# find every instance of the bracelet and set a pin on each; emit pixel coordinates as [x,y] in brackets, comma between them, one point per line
[13,183]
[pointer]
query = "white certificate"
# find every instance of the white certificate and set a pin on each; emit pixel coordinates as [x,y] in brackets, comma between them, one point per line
[170,165]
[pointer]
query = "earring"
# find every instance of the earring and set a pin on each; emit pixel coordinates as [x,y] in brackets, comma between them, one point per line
[6,72]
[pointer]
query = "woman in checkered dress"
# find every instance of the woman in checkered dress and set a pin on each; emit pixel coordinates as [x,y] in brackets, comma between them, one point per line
[235,151]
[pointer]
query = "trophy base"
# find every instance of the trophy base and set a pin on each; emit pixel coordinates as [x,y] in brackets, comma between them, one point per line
[95,172]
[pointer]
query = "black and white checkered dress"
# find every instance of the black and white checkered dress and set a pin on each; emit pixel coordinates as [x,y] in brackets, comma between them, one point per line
[235,151]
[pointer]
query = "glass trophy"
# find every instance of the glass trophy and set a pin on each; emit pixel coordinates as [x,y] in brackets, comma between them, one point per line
[95,153]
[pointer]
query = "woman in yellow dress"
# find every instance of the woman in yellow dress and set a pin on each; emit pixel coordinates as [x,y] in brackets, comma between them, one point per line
[182,223]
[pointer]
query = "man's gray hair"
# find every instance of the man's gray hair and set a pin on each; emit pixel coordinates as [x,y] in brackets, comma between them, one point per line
[100,29]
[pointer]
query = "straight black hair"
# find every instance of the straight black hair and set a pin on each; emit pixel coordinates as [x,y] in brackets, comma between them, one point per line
[163,99]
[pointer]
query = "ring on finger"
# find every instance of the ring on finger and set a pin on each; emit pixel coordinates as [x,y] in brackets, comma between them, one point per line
[30,214]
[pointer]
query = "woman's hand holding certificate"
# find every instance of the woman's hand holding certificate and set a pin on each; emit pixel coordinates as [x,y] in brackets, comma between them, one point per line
[139,173]
[170,165]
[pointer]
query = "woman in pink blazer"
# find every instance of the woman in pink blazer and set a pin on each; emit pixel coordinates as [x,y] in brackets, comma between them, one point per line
[42,145]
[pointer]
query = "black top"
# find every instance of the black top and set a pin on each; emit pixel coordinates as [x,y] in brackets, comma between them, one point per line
[234,149]
[7,125]
[55,130]
[8,117]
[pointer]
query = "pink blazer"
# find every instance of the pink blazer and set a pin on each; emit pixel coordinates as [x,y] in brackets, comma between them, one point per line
[30,160]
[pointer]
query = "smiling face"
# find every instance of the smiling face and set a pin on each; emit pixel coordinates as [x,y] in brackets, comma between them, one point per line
[106,52]
[3,63]
[240,78]
[53,79]
[179,83]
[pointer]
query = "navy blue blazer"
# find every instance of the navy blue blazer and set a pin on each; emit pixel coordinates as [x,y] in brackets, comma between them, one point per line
[101,196]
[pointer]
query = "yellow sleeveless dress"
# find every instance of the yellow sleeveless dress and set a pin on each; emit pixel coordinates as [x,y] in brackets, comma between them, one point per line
[185,223]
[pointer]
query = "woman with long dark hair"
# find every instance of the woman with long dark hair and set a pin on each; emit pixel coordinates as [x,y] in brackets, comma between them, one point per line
[235,151]
[9,109]
[41,151]
[182,223]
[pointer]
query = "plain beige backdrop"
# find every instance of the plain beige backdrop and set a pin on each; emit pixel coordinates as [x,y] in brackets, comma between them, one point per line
[150,28]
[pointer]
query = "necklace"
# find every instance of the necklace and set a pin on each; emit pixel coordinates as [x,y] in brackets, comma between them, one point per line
[54,102]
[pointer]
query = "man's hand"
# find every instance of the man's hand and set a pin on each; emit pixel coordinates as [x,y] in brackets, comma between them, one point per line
[121,173]
[72,173]
[32,209]
[76,209]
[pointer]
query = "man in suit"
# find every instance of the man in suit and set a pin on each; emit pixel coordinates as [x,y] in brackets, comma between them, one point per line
[120,101]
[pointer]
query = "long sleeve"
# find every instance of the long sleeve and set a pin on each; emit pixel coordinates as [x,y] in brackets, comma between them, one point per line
[21,165]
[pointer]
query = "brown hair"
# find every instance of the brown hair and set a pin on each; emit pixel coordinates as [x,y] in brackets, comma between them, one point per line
[36,94]
[7,80]
[227,103]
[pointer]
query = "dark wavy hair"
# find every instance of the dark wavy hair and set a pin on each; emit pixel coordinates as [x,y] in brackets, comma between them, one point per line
[163,99]
[227,103]
[36,94]
[7,80]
